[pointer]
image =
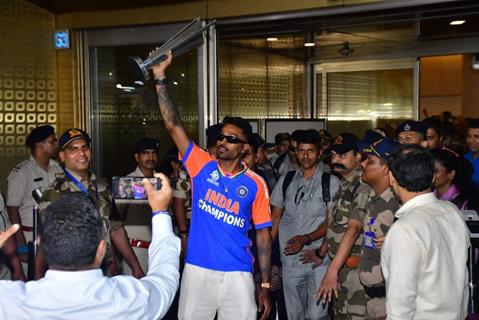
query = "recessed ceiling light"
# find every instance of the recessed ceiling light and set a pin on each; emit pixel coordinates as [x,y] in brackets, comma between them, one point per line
[388,104]
[272,39]
[457,22]
[309,44]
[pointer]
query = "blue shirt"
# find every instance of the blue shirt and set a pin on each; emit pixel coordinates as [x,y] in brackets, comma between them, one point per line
[475,164]
[222,207]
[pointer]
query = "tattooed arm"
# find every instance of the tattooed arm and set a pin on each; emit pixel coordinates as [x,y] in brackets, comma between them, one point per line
[263,242]
[169,113]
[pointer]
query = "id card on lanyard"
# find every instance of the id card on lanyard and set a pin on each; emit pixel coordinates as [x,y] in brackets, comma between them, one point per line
[80,185]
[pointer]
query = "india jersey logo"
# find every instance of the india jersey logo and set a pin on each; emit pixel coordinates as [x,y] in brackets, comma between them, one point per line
[242,191]
[213,179]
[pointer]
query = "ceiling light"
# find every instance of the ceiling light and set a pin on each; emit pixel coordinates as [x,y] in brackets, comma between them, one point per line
[272,39]
[388,104]
[309,44]
[457,22]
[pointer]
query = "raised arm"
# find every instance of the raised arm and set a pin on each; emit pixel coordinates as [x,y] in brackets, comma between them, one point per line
[169,113]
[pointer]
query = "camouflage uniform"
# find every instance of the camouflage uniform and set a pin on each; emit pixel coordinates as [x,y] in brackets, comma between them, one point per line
[349,203]
[183,191]
[376,224]
[99,192]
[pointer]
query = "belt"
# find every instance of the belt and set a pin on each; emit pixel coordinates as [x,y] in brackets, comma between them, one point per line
[27,228]
[375,292]
[352,262]
[140,243]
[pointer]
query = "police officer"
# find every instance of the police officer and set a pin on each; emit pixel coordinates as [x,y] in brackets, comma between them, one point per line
[411,132]
[379,218]
[76,154]
[37,172]
[137,219]
[344,236]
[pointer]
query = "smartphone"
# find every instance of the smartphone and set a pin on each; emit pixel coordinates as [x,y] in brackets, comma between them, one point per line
[131,188]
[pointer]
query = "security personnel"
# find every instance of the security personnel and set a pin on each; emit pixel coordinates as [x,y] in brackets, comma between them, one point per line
[137,218]
[76,154]
[382,206]
[344,236]
[37,172]
[411,132]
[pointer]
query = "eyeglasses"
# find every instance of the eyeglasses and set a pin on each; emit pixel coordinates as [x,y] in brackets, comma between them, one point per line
[229,139]
[292,149]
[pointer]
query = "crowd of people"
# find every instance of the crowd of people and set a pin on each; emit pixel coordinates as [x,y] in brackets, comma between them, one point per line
[308,227]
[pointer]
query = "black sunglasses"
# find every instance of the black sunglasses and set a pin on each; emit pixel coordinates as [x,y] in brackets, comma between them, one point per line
[229,139]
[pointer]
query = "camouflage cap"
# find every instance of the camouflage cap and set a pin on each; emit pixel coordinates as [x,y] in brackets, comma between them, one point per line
[71,135]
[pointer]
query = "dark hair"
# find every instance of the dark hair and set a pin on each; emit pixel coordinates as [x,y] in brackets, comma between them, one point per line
[70,229]
[454,142]
[296,135]
[413,168]
[256,142]
[435,124]
[473,123]
[463,172]
[241,123]
[310,136]
[280,137]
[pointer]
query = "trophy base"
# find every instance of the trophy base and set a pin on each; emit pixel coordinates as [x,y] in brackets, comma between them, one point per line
[136,65]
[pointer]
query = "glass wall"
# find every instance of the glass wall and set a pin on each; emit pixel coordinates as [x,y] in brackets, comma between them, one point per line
[255,83]
[361,99]
[124,110]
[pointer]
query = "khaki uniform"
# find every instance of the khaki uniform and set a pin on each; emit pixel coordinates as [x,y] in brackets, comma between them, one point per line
[376,224]
[350,202]
[22,180]
[138,227]
[183,191]
[99,192]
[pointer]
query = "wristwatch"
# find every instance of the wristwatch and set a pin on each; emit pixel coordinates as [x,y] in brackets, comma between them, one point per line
[265,285]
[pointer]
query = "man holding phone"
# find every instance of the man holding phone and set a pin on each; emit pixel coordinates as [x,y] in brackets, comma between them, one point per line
[137,222]
[75,154]
[226,196]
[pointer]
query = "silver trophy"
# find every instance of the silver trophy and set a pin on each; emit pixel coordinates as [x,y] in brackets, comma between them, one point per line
[188,38]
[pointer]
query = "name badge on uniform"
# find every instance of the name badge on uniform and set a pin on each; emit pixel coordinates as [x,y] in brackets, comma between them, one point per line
[369,239]
[37,179]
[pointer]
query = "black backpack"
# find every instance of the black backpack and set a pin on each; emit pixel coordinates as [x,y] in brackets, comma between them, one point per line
[325,178]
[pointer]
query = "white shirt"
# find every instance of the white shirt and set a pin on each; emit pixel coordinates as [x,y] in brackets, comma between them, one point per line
[424,261]
[23,179]
[90,295]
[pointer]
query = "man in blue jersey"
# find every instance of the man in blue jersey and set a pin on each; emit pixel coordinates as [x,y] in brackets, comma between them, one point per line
[226,198]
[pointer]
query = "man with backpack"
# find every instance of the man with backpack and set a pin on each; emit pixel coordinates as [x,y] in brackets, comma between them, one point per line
[299,203]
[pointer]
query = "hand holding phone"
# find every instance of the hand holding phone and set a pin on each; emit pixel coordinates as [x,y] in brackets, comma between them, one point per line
[132,188]
[158,200]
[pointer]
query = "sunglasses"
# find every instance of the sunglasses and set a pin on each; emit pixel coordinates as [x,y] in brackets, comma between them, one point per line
[229,139]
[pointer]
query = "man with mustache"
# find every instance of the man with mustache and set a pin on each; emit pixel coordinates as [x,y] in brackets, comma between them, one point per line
[75,153]
[344,236]
[137,221]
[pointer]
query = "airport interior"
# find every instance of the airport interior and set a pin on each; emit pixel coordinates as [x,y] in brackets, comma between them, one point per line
[340,65]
